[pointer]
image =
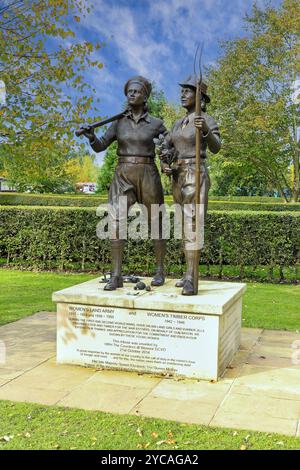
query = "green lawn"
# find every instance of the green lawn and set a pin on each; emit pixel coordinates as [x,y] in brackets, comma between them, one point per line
[28,426]
[23,293]
[274,306]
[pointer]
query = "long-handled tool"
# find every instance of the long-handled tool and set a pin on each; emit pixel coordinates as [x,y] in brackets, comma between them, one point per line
[82,130]
[197,171]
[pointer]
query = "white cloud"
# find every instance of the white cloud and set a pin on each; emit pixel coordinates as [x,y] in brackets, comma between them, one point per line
[138,49]
[188,21]
[157,38]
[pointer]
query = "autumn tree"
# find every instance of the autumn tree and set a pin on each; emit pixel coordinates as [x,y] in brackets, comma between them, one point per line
[107,169]
[42,65]
[81,167]
[253,89]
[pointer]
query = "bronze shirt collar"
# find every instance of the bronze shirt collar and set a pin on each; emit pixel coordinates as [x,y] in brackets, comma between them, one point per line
[144,116]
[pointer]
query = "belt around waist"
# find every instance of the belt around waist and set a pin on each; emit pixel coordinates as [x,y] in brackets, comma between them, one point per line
[184,161]
[131,159]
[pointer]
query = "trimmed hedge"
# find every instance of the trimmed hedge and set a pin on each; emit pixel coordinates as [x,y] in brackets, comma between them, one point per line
[226,203]
[65,238]
[24,199]
[252,206]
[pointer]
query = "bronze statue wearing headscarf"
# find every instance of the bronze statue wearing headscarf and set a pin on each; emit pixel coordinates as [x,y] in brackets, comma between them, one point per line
[136,175]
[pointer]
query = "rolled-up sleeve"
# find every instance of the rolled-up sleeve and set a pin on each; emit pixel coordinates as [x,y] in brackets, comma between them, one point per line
[162,129]
[109,136]
[213,138]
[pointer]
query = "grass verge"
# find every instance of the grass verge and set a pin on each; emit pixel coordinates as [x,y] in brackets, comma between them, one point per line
[28,426]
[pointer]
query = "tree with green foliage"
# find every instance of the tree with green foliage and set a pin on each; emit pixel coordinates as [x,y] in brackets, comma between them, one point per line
[232,178]
[81,167]
[107,169]
[42,65]
[253,89]
[156,102]
[33,168]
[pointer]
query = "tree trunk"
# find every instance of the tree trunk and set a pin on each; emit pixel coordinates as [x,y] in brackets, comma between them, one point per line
[296,179]
[296,160]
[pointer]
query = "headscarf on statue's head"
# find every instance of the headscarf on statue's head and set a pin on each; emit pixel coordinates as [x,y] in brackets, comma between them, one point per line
[144,83]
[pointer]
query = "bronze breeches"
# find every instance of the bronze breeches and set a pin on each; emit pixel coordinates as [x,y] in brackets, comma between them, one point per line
[184,188]
[138,182]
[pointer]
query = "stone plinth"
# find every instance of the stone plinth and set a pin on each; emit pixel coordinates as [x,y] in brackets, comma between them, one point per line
[160,331]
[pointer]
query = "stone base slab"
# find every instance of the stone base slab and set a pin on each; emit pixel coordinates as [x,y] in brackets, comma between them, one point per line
[160,331]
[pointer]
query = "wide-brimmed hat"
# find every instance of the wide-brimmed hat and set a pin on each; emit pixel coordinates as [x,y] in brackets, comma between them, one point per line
[141,81]
[191,81]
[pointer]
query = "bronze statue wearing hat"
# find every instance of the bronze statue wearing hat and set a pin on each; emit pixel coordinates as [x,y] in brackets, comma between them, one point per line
[136,175]
[181,141]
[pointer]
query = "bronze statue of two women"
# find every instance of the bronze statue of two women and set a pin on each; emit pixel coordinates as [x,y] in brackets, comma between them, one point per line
[137,178]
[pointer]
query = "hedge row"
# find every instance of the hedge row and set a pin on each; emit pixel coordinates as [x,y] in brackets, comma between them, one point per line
[242,203]
[252,206]
[65,238]
[23,199]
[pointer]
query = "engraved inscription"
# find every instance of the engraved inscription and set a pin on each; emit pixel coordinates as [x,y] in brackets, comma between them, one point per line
[137,340]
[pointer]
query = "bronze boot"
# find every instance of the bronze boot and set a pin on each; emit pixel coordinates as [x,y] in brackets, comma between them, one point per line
[116,279]
[188,287]
[160,251]
[181,281]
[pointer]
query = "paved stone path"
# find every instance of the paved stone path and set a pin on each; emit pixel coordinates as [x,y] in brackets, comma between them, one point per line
[259,391]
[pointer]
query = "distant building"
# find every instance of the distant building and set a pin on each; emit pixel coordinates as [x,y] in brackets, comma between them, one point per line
[2,93]
[5,185]
[86,188]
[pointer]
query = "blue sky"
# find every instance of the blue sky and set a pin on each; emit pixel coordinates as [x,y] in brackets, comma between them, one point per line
[157,38]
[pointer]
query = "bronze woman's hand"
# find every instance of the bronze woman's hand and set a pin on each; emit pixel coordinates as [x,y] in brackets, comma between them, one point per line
[166,169]
[200,123]
[89,133]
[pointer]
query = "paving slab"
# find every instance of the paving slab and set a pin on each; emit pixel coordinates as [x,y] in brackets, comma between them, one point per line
[260,390]
[280,335]
[272,382]
[185,401]
[3,381]
[10,374]
[118,395]
[273,349]
[258,413]
[26,360]
[14,392]
[47,376]
[249,337]
[236,366]
[263,360]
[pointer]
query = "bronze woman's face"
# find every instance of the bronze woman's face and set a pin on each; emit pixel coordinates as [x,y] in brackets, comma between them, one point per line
[135,94]
[188,97]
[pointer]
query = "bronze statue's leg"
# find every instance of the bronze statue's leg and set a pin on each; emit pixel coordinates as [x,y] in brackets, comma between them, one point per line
[159,251]
[121,186]
[188,286]
[150,192]
[178,181]
[117,247]
[177,197]
[187,183]
[188,195]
